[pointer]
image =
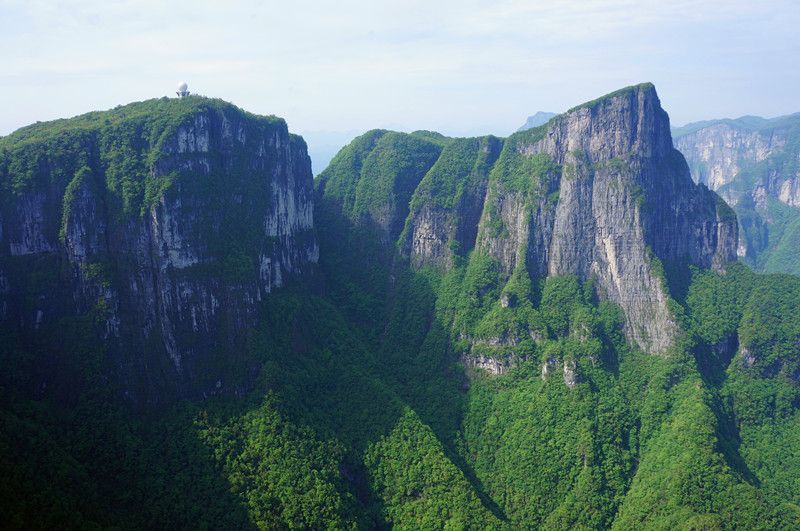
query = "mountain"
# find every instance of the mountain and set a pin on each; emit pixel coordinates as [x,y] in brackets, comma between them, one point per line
[164,223]
[592,194]
[537,119]
[529,260]
[542,331]
[753,163]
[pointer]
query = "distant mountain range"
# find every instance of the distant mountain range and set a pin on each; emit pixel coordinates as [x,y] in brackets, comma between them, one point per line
[754,164]
[535,120]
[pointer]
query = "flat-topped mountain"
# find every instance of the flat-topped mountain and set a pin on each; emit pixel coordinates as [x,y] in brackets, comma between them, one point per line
[166,221]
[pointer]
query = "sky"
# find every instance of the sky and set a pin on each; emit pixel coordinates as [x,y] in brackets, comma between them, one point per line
[460,67]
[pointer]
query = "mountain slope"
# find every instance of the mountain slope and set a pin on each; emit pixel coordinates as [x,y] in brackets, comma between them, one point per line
[753,163]
[470,351]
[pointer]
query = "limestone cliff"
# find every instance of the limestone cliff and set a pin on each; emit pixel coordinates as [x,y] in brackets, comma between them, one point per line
[597,193]
[753,164]
[600,193]
[166,221]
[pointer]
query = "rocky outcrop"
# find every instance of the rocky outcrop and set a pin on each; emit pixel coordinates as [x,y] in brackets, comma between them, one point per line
[481,353]
[570,376]
[489,364]
[169,224]
[604,195]
[753,164]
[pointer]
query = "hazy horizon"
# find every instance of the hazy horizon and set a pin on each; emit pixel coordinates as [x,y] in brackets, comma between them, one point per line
[461,68]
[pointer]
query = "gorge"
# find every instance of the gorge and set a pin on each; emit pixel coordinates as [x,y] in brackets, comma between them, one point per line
[549,330]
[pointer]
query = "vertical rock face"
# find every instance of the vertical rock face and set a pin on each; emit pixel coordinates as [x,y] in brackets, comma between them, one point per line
[598,192]
[446,210]
[603,193]
[754,164]
[167,220]
[606,195]
[716,153]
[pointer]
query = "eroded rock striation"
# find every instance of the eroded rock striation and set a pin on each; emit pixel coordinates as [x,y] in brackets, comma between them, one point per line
[601,193]
[165,221]
[598,192]
[754,164]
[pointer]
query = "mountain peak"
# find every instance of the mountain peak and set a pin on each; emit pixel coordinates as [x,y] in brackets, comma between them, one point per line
[596,192]
[174,215]
[537,119]
[629,121]
[642,90]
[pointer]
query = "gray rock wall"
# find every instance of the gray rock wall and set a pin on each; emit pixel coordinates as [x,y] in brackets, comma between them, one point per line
[176,289]
[753,164]
[620,197]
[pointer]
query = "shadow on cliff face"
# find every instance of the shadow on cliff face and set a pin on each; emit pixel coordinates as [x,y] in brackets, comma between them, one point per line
[361,362]
[712,362]
[73,451]
[348,358]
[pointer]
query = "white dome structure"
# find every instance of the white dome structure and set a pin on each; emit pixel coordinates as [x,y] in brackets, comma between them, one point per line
[183,90]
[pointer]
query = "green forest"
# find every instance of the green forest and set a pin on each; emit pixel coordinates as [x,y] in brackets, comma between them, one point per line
[366,415]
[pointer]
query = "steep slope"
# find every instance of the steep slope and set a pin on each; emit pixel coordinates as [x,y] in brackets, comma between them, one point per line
[753,163]
[597,193]
[463,355]
[561,422]
[167,221]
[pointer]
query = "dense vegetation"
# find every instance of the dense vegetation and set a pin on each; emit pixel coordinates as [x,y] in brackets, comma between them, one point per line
[125,142]
[125,177]
[367,414]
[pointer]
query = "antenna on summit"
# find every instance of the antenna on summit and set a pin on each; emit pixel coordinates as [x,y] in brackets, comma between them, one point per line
[183,90]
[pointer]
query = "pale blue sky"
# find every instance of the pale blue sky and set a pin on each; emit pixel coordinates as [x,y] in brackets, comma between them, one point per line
[460,67]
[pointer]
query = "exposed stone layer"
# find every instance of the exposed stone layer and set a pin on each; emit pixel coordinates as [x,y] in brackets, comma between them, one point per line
[753,164]
[608,197]
[716,153]
[177,282]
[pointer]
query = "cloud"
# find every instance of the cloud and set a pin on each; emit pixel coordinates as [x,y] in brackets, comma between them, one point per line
[447,65]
